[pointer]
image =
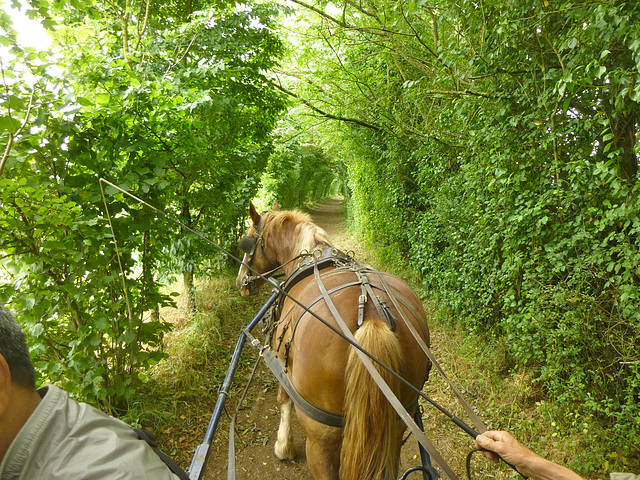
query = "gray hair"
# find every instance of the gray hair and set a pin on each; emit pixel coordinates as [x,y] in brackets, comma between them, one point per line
[13,347]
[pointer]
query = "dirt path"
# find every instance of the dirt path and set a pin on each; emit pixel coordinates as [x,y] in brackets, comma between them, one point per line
[331,216]
[505,400]
[258,421]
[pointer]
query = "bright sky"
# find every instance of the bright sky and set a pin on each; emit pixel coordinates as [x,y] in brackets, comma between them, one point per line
[30,32]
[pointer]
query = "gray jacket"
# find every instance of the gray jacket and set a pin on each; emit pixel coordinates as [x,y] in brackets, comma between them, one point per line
[67,440]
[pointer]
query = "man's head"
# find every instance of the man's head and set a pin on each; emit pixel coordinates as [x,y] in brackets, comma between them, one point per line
[13,347]
[18,397]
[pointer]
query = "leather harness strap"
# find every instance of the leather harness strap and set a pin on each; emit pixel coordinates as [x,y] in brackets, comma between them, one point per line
[332,257]
[312,263]
[367,292]
[467,408]
[386,390]
[277,368]
[311,410]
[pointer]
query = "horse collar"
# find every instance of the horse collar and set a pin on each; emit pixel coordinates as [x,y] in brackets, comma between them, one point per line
[323,257]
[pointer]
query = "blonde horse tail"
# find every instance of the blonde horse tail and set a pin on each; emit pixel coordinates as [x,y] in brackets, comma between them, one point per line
[372,435]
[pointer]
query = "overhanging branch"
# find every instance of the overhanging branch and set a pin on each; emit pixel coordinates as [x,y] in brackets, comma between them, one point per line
[319,111]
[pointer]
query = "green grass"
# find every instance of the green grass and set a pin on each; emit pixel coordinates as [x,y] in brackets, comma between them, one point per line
[183,389]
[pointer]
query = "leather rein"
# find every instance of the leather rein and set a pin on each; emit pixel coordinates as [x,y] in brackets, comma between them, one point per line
[311,264]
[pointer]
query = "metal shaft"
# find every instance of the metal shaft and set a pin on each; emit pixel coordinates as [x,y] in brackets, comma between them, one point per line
[202,452]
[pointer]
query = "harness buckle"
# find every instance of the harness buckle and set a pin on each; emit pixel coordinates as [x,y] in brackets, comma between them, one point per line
[362,300]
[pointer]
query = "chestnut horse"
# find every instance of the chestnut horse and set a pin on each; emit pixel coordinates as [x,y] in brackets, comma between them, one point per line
[323,366]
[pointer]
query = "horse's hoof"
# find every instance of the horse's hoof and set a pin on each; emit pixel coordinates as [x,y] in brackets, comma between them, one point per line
[286,452]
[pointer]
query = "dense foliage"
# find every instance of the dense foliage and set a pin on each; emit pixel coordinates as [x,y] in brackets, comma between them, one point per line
[170,103]
[494,145]
[299,174]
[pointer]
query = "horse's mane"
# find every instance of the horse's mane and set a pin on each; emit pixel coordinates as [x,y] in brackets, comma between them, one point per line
[307,234]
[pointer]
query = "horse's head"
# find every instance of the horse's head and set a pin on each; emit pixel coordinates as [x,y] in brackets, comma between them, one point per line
[277,238]
[256,255]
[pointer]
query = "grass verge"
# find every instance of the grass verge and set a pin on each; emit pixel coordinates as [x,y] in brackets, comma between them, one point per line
[184,387]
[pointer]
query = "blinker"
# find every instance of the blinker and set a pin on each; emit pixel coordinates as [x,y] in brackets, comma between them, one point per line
[247,244]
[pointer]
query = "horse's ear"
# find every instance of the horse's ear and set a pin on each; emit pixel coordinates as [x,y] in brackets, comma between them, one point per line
[253,213]
[276,206]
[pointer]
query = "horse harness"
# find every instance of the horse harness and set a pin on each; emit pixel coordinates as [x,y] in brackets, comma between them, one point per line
[248,245]
[324,256]
[320,259]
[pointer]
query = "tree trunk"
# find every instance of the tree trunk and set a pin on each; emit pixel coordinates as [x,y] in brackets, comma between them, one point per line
[189,292]
[625,137]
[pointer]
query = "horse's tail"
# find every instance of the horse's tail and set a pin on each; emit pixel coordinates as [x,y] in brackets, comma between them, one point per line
[373,430]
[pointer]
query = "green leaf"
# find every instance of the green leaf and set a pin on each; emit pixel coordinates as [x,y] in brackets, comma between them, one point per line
[94,339]
[102,98]
[9,124]
[128,337]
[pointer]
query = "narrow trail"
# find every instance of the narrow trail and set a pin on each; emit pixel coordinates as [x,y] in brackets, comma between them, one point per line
[505,399]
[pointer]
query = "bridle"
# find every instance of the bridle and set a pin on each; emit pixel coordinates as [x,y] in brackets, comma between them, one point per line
[249,245]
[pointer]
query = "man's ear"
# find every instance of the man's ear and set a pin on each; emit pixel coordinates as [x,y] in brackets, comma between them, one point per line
[5,385]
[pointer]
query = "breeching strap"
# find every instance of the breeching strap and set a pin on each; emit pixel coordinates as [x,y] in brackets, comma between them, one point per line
[388,393]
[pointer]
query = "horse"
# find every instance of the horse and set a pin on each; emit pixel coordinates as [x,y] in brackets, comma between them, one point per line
[321,364]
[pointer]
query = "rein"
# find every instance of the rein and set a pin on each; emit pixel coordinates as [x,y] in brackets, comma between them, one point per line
[386,390]
[467,408]
[312,264]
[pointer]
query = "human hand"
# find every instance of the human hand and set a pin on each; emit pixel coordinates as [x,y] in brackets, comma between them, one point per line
[505,445]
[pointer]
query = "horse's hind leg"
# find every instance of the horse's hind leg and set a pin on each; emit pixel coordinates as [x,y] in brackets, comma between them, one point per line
[323,449]
[284,448]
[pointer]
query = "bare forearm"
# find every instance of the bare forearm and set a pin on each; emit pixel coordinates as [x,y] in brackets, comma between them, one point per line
[539,468]
[526,461]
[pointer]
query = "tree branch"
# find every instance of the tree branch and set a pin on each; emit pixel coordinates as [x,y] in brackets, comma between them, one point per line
[144,27]
[354,121]
[342,23]
[125,33]
[13,136]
